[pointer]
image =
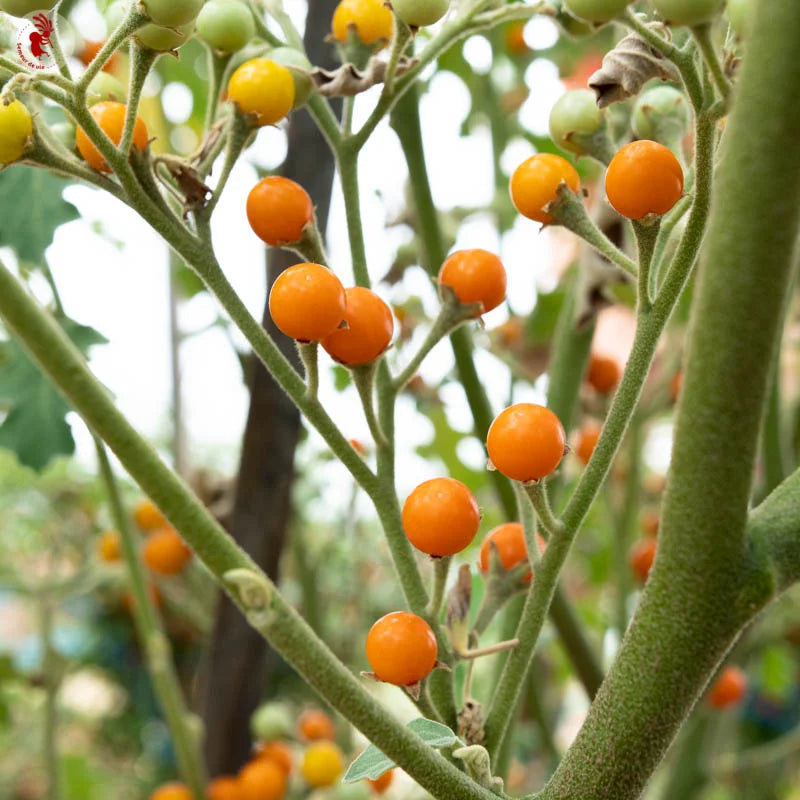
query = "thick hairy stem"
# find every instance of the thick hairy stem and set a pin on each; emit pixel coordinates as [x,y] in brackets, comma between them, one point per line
[693,608]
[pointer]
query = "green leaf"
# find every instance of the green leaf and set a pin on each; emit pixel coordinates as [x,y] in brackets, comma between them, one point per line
[35,428]
[31,208]
[341,378]
[372,763]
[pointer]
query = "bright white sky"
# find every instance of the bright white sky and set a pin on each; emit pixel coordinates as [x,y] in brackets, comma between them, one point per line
[121,289]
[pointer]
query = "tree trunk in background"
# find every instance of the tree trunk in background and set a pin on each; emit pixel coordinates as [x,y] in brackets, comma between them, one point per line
[238,654]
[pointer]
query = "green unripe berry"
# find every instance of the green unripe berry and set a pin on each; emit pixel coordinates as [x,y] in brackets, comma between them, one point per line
[171,13]
[270,721]
[418,13]
[596,10]
[21,8]
[575,114]
[569,22]
[64,132]
[105,87]
[687,12]
[226,25]
[299,66]
[661,114]
[740,14]
[154,37]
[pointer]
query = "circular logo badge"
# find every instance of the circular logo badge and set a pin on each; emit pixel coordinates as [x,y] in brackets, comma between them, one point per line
[35,35]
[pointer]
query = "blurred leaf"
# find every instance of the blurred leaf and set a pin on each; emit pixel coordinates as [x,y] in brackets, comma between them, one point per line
[777,671]
[372,763]
[35,427]
[31,209]
[341,378]
[188,282]
[542,322]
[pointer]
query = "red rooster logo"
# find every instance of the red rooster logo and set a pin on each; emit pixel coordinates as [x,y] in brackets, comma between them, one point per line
[40,38]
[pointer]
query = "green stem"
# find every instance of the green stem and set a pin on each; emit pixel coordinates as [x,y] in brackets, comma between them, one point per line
[135,20]
[240,134]
[51,668]
[702,35]
[264,606]
[568,210]
[646,236]
[668,224]
[348,172]
[450,317]
[627,523]
[58,53]
[441,569]
[261,26]
[537,494]
[773,438]
[308,355]
[364,380]
[217,64]
[142,61]
[155,644]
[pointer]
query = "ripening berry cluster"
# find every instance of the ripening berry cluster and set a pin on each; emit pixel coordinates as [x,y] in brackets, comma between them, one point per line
[280,745]
[163,551]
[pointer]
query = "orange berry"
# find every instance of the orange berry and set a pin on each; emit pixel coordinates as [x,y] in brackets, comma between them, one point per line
[110,116]
[641,558]
[526,442]
[476,276]
[515,38]
[165,552]
[225,787]
[729,688]
[109,546]
[314,724]
[369,329]
[383,782]
[650,523]
[371,19]
[147,516]
[307,302]
[401,648]
[91,49]
[644,178]
[359,447]
[509,539]
[587,441]
[278,209]
[262,779]
[675,386]
[279,752]
[441,517]
[172,791]
[535,182]
[603,374]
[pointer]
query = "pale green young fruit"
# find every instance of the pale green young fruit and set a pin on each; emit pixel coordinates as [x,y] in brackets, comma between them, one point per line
[172,13]
[299,66]
[574,115]
[226,25]
[688,12]
[105,87]
[21,8]
[596,10]
[418,13]
[154,37]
